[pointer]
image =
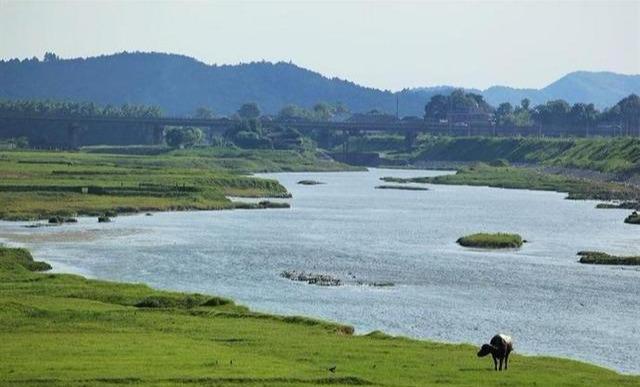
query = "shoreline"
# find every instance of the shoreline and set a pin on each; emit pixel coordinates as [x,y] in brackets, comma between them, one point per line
[353,331]
[74,270]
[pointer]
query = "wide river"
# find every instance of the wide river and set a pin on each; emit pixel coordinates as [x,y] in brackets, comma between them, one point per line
[539,294]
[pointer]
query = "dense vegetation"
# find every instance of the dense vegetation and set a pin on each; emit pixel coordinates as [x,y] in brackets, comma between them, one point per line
[599,258]
[65,330]
[36,185]
[528,178]
[491,241]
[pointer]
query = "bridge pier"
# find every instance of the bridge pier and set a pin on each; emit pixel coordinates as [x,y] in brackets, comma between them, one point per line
[410,138]
[345,144]
[73,136]
[157,136]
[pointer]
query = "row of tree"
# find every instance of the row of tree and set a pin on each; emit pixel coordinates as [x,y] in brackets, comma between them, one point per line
[321,111]
[556,113]
[75,109]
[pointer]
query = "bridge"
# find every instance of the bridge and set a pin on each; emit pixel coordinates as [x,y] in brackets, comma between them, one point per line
[151,129]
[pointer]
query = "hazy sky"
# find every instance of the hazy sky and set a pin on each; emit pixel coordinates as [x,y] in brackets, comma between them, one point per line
[386,44]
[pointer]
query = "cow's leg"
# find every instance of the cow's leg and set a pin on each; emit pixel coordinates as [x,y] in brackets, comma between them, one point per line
[495,362]
[500,364]
[506,361]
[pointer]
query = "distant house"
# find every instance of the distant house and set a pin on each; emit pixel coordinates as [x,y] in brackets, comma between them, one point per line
[470,118]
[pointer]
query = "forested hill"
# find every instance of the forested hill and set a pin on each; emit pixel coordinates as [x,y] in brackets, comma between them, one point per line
[180,84]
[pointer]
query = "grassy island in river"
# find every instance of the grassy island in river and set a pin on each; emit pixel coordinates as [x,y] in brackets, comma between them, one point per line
[600,258]
[491,241]
[403,187]
[66,330]
[482,174]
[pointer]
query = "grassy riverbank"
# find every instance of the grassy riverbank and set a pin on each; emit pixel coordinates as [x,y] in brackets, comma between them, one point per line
[59,329]
[529,178]
[620,155]
[35,185]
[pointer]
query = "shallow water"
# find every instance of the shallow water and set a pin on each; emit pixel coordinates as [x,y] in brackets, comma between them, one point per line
[538,294]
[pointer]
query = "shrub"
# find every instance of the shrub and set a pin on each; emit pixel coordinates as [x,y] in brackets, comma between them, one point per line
[217,301]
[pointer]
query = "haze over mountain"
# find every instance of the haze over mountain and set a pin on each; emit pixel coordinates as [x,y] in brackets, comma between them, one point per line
[180,84]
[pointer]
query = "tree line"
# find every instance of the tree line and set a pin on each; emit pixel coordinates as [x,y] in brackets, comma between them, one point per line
[555,113]
[75,109]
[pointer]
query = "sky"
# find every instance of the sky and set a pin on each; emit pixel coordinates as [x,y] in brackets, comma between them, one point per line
[383,44]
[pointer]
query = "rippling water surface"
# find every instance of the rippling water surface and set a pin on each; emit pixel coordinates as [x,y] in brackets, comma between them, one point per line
[539,294]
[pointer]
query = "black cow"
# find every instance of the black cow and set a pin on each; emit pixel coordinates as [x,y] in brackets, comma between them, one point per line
[499,347]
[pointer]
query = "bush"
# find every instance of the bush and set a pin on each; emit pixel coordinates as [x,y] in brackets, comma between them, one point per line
[179,301]
[217,301]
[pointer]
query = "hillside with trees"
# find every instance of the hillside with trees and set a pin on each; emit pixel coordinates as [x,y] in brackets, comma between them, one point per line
[183,86]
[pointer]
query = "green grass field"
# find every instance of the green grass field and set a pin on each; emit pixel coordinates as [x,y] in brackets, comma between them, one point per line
[36,185]
[529,178]
[65,330]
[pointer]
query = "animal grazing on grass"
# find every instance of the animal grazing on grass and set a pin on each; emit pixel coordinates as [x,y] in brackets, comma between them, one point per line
[499,347]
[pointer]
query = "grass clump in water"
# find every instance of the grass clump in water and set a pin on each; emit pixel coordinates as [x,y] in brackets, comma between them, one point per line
[634,218]
[310,182]
[491,241]
[600,258]
[402,187]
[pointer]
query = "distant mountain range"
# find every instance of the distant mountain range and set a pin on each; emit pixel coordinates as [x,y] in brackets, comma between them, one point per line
[603,89]
[180,84]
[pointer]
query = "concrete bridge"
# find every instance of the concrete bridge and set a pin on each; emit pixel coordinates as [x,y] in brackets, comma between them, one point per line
[151,129]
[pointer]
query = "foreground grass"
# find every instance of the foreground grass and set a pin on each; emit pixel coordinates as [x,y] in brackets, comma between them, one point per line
[528,178]
[36,185]
[491,241]
[66,330]
[599,258]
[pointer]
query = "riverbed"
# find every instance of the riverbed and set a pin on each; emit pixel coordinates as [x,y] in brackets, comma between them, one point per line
[346,228]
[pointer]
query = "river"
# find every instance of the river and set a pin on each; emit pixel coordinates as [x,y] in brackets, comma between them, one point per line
[539,294]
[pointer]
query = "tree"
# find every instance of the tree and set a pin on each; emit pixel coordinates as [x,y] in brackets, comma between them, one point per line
[249,111]
[553,113]
[437,108]
[525,103]
[204,113]
[294,112]
[183,137]
[323,111]
[504,114]
[51,57]
[629,108]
